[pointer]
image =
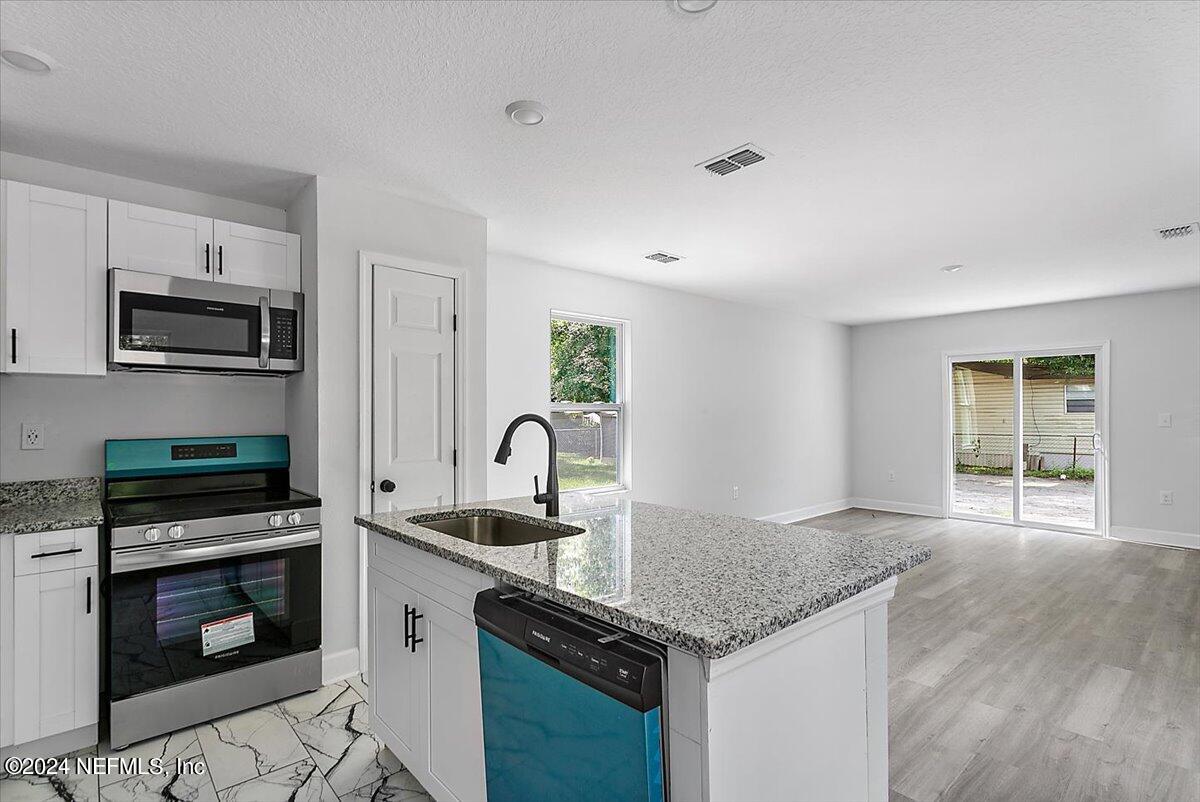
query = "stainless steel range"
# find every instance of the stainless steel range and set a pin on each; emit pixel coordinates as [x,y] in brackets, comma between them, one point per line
[213,585]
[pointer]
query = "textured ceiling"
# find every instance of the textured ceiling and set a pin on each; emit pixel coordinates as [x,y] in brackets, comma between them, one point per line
[1039,144]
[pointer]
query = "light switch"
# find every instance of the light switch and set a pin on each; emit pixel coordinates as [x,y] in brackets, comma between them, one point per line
[1164,420]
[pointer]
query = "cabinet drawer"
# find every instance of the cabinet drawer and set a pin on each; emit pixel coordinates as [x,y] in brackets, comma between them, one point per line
[65,549]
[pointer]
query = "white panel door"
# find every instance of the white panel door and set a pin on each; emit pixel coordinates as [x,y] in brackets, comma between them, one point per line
[160,241]
[54,281]
[394,699]
[413,389]
[258,257]
[455,739]
[56,681]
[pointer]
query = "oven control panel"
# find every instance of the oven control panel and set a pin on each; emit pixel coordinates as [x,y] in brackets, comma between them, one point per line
[203,451]
[283,333]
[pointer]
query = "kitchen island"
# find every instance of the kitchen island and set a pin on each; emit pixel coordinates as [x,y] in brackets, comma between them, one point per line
[776,638]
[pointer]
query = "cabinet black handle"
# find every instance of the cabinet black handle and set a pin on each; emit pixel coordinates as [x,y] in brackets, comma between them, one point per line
[206,262]
[220,260]
[54,553]
[410,636]
[13,355]
[89,595]
[387,486]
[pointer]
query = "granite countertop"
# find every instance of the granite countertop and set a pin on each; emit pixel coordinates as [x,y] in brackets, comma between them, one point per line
[48,504]
[706,584]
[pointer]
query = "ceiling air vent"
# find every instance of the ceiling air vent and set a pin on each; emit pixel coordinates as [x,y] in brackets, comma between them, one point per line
[734,160]
[663,256]
[1191,229]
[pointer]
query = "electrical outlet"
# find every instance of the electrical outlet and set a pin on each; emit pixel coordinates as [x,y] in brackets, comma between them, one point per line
[891,476]
[1164,420]
[32,436]
[735,492]
[1166,497]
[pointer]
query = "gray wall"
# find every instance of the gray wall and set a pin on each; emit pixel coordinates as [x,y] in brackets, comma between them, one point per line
[300,393]
[351,217]
[1154,366]
[80,412]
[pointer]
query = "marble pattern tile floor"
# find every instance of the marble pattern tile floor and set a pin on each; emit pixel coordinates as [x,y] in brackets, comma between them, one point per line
[316,747]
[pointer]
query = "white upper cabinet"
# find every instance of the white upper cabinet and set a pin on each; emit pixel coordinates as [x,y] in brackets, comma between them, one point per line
[159,241]
[255,256]
[176,244]
[52,272]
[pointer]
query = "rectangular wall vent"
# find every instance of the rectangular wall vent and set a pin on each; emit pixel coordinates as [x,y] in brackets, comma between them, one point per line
[663,256]
[734,160]
[1179,231]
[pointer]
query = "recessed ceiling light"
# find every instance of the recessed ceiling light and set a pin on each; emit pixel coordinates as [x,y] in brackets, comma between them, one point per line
[952,268]
[25,59]
[525,112]
[695,6]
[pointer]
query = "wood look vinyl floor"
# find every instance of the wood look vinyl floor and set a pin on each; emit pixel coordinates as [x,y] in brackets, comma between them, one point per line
[1034,665]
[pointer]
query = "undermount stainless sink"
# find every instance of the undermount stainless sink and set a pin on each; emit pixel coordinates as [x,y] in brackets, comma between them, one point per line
[494,530]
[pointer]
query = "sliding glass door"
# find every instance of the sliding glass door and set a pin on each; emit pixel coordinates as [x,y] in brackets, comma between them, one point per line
[1025,438]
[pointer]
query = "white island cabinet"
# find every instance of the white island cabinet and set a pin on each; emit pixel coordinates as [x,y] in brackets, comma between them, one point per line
[776,641]
[49,639]
[424,667]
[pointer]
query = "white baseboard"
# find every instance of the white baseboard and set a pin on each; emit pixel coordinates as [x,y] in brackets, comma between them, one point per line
[1157,537]
[339,665]
[811,511]
[927,510]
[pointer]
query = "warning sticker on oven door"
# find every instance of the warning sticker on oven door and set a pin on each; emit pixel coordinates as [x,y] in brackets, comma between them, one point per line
[226,633]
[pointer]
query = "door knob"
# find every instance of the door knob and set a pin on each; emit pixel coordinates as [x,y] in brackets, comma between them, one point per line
[387,486]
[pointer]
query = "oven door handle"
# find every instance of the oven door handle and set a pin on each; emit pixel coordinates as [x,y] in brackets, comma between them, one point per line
[264,332]
[124,561]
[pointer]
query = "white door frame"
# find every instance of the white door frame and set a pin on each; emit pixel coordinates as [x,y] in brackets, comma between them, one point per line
[1101,350]
[367,261]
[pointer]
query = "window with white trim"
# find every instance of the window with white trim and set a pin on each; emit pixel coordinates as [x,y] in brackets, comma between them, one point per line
[1079,397]
[587,400]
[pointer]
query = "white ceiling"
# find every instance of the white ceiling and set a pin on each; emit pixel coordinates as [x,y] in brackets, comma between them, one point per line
[1039,144]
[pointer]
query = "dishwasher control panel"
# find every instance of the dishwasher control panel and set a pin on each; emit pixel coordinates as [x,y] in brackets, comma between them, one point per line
[579,652]
[613,661]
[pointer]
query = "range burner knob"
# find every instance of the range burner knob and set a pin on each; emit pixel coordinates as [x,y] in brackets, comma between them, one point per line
[294,518]
[152,534]
[275,519]
[175,532]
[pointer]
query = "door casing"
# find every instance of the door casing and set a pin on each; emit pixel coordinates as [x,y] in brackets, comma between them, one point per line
[367,261]
[1101,350]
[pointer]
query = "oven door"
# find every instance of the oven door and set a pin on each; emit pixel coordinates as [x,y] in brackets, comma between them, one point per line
[168,322]
[179,613]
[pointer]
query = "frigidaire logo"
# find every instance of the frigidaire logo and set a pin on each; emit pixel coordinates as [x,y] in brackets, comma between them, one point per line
[539,635]
[215,308]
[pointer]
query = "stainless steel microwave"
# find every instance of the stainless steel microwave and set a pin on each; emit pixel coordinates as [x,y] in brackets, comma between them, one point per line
[158,322]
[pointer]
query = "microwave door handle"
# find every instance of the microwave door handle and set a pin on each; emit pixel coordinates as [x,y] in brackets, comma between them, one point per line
[264,340]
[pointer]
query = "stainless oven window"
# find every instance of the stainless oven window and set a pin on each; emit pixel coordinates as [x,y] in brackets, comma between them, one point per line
[178,622]
[161,330]
[162,323]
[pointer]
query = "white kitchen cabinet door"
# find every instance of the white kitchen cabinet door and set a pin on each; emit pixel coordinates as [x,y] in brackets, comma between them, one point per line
[454,742]
[56,638]
[394,702]
[53,278]
[257,257]
[160,241]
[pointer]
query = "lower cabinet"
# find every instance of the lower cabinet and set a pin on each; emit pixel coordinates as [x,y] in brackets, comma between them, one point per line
[424,675]
[53,677]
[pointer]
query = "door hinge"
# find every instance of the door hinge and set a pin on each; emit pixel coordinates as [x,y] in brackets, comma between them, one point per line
[454,323]
[454,458]
[372,485]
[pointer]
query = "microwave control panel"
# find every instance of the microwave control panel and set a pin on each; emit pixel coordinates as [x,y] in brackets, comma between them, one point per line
[283,333]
